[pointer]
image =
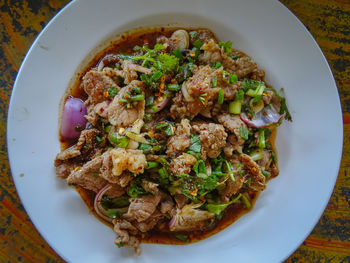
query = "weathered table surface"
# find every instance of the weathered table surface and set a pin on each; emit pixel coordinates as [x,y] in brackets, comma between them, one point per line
[328,22]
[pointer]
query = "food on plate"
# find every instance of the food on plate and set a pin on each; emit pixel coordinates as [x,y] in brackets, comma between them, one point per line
[169,134]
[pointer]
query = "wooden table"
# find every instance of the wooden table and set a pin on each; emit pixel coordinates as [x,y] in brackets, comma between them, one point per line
[328,22]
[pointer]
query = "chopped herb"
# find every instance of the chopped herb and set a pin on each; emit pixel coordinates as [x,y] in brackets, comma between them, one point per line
[139,97]
[200,169]
[136,90]
[244,132]
[214,82]
[256,155]
[137,48]
[265,173]
[135,188]
[149,101]
[173,87]
[96,175]
[196,144]
[146,78]
[118,202]
[114,213]
[198,44]
[202,97]
[233,78]
[221,96]
[169,63]
[177,53]
[121,244]
[246,201]
[166,127]
[151,165]
[99,139]
[163,176]
[284,108]
[156,76]
[239,95]
[227,46]
[226,76]
[274,157]
[217,209]
[256,100]
[262,139]
[193,34]
[112,92]
[158,47]
[217,65]
[120,141]
[182,237]
[235,107]
[247,84]
[108,128]
[146,148]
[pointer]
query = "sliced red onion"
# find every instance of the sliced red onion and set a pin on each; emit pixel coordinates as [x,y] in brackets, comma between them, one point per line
[172,222]
[108,59]
[97,203]
[73,120]
[160,105]
[264,118]
[185,93]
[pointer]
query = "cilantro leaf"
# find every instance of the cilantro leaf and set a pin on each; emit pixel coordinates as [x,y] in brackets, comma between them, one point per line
[196,144]
[200,169]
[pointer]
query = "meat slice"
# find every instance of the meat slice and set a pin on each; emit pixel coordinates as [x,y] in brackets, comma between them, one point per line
[87,138]
[201,93]
[182,164]
[253,169]
[88,175]
[95,84]
[115,191]
[265,161]
[213,138]
[167,204]
[63,169]
[181,140]
[178,107]
[181,200]
[149,223]
[121,116]
[233,124]
[242,67]
[67,160]
[69,153]
[231,188]
[126,234]
[267,96]
[141,208]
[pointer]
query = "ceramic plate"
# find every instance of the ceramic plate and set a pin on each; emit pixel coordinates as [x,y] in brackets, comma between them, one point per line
[309,148]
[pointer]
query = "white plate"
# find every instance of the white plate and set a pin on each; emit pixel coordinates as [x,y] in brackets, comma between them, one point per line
[309,148]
